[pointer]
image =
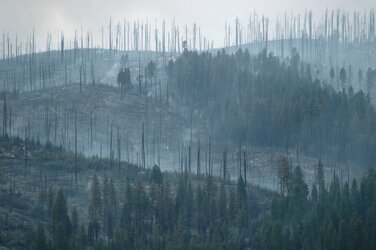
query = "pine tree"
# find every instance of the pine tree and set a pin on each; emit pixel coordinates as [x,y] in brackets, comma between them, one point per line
[314,195]
[75,221]
[319,175]
[242,210]
[298,193]
[343,235]
[222,204]
[284,173]
[332,75]
[189,206]
[61,225]
[95,208]
[156,175]
[343,77]
[39,242]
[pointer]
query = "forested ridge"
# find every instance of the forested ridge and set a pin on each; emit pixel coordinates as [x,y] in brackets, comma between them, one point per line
[263,100]
[156,210]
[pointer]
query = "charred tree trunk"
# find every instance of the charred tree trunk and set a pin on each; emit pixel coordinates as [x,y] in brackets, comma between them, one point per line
[26,140]
[245,169]
[75,146]
[143,145]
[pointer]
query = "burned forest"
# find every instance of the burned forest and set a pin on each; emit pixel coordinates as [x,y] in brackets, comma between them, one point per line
[148,133]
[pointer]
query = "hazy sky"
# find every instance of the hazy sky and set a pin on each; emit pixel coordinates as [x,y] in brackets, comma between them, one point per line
[20,16]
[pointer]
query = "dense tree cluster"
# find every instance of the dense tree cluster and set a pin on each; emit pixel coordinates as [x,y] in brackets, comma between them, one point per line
[342,216]
[213,215]
[155,214]
[157,210]
[269,102]
[124,80]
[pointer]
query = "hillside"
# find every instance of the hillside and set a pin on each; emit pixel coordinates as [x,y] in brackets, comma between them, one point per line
[28,179]
[43,207]
[172,113]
